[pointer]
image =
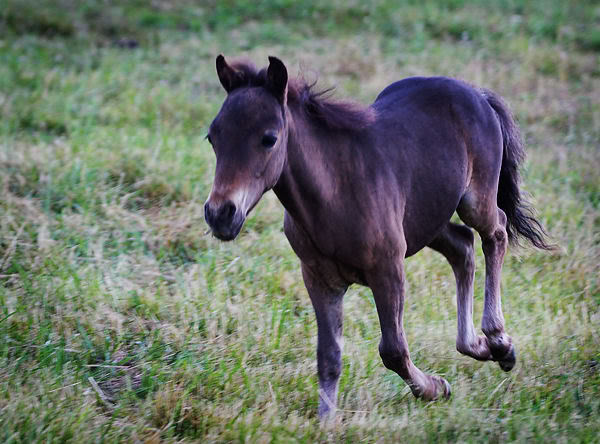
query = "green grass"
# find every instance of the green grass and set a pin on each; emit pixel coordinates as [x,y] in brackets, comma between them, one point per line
[121,319]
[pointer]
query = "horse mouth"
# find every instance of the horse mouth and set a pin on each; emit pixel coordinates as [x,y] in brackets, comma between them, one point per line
[225,236]
[228,233]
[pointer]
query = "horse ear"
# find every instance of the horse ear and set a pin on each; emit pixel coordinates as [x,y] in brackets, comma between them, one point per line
[229,77]
[277,79]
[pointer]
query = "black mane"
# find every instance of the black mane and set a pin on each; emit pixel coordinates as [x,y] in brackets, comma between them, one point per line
[317,104]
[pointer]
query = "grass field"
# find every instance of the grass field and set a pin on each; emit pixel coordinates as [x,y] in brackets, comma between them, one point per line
[122,320]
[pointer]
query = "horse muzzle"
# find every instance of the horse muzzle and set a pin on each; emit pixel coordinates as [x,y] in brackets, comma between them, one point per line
[225,220]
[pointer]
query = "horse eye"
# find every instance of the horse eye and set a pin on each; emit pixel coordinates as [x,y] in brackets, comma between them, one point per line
[209,139]
[269,140]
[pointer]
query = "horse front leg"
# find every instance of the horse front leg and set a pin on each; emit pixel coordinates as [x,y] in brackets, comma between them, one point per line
[327,303]
[387,284]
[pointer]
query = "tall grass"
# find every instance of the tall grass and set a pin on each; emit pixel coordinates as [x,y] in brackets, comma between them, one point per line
[121,319]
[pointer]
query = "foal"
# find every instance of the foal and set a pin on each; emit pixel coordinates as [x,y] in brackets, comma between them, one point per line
[365,187]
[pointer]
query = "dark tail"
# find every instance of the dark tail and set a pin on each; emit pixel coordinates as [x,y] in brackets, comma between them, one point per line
[520,215]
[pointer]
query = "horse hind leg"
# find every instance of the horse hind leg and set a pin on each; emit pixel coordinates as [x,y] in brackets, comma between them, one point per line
[455,243]
[479,210]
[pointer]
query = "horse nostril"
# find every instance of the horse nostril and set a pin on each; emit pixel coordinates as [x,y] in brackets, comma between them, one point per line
[227,211]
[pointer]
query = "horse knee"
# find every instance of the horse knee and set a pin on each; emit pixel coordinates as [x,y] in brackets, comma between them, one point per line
[463,261]
[329,364]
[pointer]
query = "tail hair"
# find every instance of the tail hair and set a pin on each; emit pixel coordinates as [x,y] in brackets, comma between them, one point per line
[520,215]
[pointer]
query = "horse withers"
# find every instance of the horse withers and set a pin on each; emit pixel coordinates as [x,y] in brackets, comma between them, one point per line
[365,187]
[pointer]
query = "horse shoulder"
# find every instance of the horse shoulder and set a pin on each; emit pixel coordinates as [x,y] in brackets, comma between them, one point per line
[326,269]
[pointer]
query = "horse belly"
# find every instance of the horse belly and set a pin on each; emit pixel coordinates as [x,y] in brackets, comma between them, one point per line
[421,230]
[436,190]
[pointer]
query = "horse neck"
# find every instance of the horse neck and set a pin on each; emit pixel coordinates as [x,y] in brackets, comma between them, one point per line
[312,170]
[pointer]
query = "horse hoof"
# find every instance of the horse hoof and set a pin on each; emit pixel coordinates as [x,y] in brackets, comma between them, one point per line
[447,389]
[444,386]
[507,362]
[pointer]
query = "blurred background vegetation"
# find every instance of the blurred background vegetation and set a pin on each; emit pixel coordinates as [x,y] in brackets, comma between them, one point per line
[121,319]
[571,23]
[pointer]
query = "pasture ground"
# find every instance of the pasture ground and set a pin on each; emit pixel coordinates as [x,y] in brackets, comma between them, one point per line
[122,320]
